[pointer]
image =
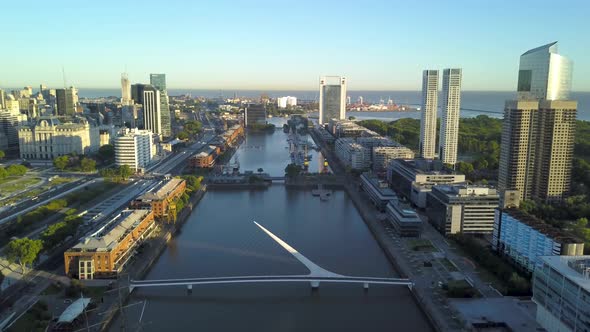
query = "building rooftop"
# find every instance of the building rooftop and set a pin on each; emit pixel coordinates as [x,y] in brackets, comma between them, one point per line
[536,223]
[551,48]
[425,166]
[379,186]
[162,191]
[107,238]
[575,268]
[462,190]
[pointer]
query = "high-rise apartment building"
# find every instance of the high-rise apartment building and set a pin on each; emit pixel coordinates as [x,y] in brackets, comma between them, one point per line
[449,126]
[544,74]
[429,112]
[158,81]
[517,148]
[555,149]
[332,98]
[65,101]
[538,130]
[152,114]
[125,90]
[134,148]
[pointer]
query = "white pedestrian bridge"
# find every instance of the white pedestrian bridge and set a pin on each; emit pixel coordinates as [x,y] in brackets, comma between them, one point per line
[316,275]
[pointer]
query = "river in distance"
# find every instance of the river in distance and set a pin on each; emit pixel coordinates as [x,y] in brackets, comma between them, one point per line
[473,103]
[220,239]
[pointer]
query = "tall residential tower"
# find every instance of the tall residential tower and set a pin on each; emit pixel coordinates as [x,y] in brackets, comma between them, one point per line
[332,98]
[538,129]
[449,126]
[429,110]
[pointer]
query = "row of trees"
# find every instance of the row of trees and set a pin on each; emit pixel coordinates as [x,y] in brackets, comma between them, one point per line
[25,251]
[74,163]
[117,174]
[13,170]
[190,128]
[516,285]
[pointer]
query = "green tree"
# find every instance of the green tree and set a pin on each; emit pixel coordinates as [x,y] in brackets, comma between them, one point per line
[3,173]
[465,167]
[183,135]
[87,165]
[2,154]
[106,152]
[292,170]
[125,172]
[61,162]
[23,251]
[16,170]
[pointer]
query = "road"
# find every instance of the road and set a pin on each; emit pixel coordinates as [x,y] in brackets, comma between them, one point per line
[46,198]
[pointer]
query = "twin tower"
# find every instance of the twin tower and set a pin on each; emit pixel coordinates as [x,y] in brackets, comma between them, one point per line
[449,128]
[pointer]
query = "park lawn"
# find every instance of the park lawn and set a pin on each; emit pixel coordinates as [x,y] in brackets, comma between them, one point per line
[18,184]
[421,245]
[61,180]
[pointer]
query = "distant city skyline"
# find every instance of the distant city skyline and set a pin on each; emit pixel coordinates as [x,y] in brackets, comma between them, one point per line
[381,45]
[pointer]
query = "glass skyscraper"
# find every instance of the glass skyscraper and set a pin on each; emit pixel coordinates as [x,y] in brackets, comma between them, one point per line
[158,81]
[544,74]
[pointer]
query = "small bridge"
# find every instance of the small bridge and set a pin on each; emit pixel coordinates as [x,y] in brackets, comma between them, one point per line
[316,275]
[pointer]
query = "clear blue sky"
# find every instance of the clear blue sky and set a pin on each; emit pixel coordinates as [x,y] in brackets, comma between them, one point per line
[283,44]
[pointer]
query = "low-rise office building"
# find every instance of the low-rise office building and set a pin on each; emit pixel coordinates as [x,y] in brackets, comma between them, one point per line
[48,138]
[105,253]
[205,158]
[524,239]
[462,209]
[377,190]
[135,148]
[161,200]
[404,219]
[351,154]
[415,178]
[383,155]
[561,290]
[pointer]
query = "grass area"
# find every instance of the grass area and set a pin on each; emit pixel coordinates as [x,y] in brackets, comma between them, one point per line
[448,265]
[421,245]
[18,184]
[36,319]
[36,191]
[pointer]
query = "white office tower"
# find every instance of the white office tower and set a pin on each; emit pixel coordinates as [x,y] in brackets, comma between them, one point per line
[449,126]
[134,148]
[429,112]
[152,117]
[332,98]
[544,74]
[125,90]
